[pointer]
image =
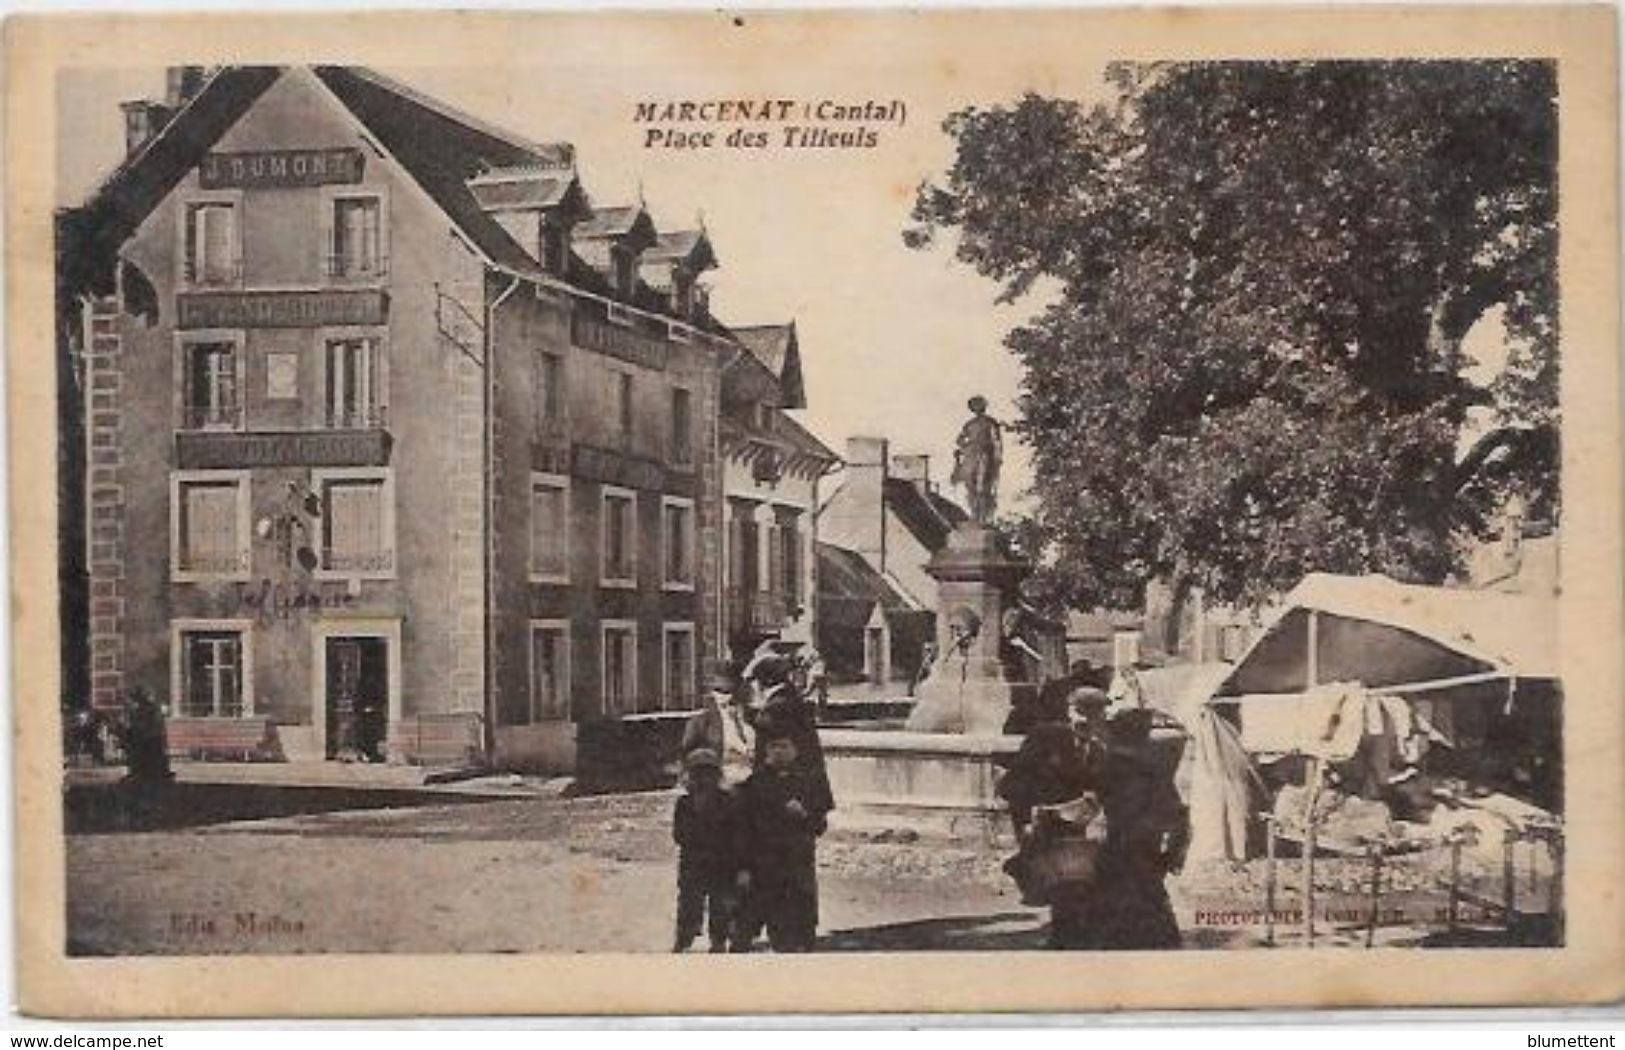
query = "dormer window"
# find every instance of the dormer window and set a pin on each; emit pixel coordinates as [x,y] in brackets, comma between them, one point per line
[555,248]
[682,293]
[625,270]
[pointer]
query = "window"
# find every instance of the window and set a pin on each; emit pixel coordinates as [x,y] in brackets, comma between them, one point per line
[355,382]
[620,667]
[623,405]
[356,246]
[620,538]
[549,671]
[209,243]
[549,528]
[775,557]
[790,558]
[357,523]
[677,542]
[549,389]
[626,263]
[211,384]
[679,667]
[212,674]
[209,525]
[682,426]
[555,247]
[682,298]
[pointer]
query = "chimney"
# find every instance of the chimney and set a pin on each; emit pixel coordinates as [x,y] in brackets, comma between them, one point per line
[860,522]
[914,469]
[143,119]
[181,84]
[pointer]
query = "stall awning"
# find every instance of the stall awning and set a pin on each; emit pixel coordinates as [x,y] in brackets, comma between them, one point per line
[1399,637]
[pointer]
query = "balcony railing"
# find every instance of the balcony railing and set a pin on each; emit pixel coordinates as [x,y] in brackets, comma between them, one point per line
[358,561]
[359,417]
[211,273]
[355,268]
[212,417]
[752,610]
[230,417]
[215,563]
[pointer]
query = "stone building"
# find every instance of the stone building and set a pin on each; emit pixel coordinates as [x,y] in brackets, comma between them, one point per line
[877,529]
[395,445]
[771,469]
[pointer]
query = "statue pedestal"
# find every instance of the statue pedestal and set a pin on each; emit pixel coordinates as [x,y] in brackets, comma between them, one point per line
[968,692]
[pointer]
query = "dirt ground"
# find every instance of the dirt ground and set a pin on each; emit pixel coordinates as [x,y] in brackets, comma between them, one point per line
[261,873]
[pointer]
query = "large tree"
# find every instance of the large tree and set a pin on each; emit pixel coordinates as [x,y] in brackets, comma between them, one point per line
[1257,279]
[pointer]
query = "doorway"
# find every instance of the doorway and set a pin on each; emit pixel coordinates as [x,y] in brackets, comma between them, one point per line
[357,700]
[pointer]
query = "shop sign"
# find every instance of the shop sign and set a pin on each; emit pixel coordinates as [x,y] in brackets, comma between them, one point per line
[281,309]
[614,468]
[617,341]
[210,450]
[270,600]
[280,169]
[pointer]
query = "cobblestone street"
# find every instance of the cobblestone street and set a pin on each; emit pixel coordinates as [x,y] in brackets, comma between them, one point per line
[218,865]
[532,875]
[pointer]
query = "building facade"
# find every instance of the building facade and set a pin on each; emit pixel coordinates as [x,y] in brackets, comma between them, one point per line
[877,530]
[395,446]
[771,470]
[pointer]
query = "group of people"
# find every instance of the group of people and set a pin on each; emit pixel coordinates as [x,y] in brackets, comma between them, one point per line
[1099,822]
[755,802]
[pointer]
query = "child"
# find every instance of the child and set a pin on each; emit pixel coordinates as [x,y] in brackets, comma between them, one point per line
[706,827]
[783,815]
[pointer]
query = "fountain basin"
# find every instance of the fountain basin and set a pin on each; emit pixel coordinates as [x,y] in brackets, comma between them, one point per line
[940,785]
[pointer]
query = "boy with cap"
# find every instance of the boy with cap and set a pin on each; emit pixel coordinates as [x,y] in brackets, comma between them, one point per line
[706,827]
[783,813]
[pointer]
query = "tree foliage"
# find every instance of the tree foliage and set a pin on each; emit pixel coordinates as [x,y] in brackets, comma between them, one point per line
[1258,278]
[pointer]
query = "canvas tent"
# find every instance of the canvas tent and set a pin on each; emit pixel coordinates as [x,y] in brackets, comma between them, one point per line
[1401,638]
[1215,776]
[1481,666]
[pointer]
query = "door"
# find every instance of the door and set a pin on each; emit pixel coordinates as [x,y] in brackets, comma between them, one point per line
[357,698]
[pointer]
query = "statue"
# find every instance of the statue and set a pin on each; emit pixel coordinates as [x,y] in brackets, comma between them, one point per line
[978,453]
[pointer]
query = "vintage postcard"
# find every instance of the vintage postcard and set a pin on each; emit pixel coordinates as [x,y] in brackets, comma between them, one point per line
[785,512]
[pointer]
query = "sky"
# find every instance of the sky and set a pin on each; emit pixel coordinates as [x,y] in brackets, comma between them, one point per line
[894,341]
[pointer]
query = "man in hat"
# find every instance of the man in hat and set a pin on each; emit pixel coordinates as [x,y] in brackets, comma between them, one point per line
[706,828]
[725,728]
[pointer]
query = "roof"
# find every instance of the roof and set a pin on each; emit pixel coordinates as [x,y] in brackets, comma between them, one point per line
[928,515]
[1493,632]
[508,188]
[776,347]
[849,588]
[690,249]
[682,244]
[442,150]
[89,235]
[804,440]
[613,222]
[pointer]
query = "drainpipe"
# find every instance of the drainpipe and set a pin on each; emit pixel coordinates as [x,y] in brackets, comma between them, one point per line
[814,598]
[488,551]
[724,562]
